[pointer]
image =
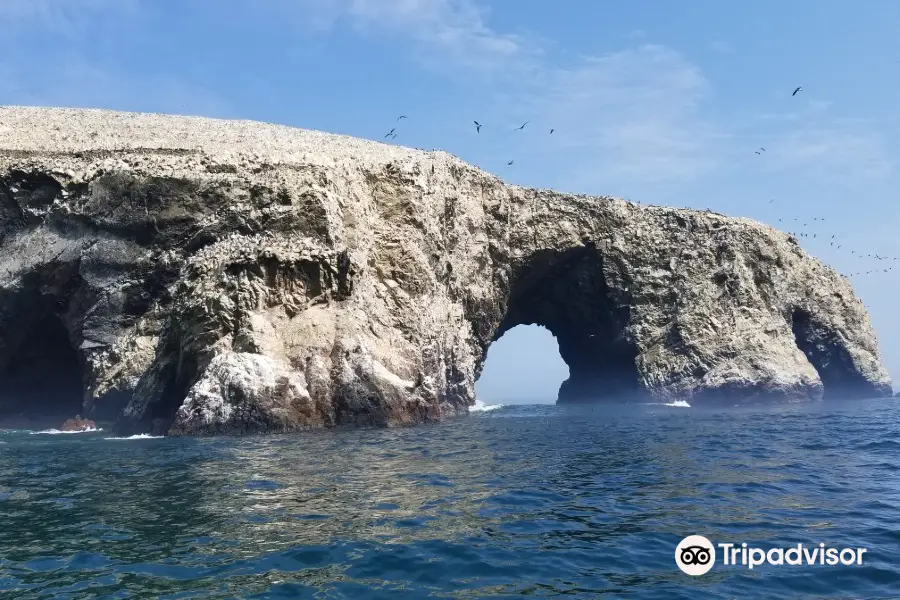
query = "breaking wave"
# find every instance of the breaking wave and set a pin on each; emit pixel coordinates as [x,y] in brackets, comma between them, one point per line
[479,406]
[679,403]
[139,436]
[58,431]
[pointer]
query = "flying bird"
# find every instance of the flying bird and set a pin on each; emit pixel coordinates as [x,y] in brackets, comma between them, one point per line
[797,90]
[509,164]
[523,126]
[477,126]
[552,130]
[401,117]
[390,133]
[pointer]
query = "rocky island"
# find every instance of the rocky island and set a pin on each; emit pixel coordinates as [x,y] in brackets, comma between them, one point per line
[196,276]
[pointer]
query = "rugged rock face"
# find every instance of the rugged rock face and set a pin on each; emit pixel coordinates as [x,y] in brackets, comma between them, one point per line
[198,276]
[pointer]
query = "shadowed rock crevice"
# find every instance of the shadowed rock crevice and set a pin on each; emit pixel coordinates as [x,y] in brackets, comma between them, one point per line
[566,292]
[41,376]
[830,357]
[237,277]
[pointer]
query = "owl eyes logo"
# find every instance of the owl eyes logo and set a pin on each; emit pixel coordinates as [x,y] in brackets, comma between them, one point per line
[695,555]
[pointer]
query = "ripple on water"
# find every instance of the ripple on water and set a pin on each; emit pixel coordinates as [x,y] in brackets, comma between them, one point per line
[516,501]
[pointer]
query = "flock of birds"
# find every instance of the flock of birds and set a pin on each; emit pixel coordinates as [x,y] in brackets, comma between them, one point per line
[392,134]
[833,242]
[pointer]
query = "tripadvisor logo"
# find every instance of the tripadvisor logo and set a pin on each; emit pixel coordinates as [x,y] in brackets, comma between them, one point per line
[696,555]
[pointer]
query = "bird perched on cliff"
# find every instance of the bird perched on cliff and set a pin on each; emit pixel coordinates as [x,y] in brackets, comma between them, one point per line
[522,126]
[477,126]
[390,133]
[796,90]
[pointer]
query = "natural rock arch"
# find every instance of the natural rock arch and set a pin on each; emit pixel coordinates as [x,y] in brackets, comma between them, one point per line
[229,277]
[566,292]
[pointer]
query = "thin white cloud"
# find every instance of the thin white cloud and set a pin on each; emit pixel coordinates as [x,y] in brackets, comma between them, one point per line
[633,113]
[629,114]
[638,114]
[69,18]
[80,84]
[853,150]
[642,115]
[449,32]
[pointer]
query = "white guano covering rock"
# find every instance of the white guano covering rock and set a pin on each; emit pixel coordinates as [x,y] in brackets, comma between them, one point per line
[239,390]
[232,276]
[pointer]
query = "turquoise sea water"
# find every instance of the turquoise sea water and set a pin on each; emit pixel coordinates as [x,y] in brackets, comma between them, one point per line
[519,501]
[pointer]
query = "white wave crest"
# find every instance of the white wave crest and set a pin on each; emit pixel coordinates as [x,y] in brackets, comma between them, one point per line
[481,407]
[138,436]
[679,403]
[58,431]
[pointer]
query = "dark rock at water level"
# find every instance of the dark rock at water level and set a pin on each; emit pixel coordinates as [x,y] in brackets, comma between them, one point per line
[78,423]
[195,276]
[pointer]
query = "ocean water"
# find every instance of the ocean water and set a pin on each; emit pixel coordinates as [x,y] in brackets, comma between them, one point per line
[545,501]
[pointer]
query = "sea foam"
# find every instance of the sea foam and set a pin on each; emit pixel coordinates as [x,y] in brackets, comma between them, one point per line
[679,403]
[58,431]
[479,406]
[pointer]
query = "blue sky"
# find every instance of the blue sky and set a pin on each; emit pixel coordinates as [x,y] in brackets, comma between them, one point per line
[652,100]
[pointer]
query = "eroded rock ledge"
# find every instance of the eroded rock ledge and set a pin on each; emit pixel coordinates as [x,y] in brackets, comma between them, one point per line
[196,276]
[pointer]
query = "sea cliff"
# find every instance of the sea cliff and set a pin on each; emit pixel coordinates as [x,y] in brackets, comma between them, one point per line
[199,276]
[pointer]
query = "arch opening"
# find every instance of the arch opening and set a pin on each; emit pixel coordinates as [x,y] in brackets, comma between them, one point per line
[568,294]
[829,357]
[522,367]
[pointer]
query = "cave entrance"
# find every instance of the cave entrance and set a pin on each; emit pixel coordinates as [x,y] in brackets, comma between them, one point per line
[829,357]
[43,378]
[567,293]
[522,367]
